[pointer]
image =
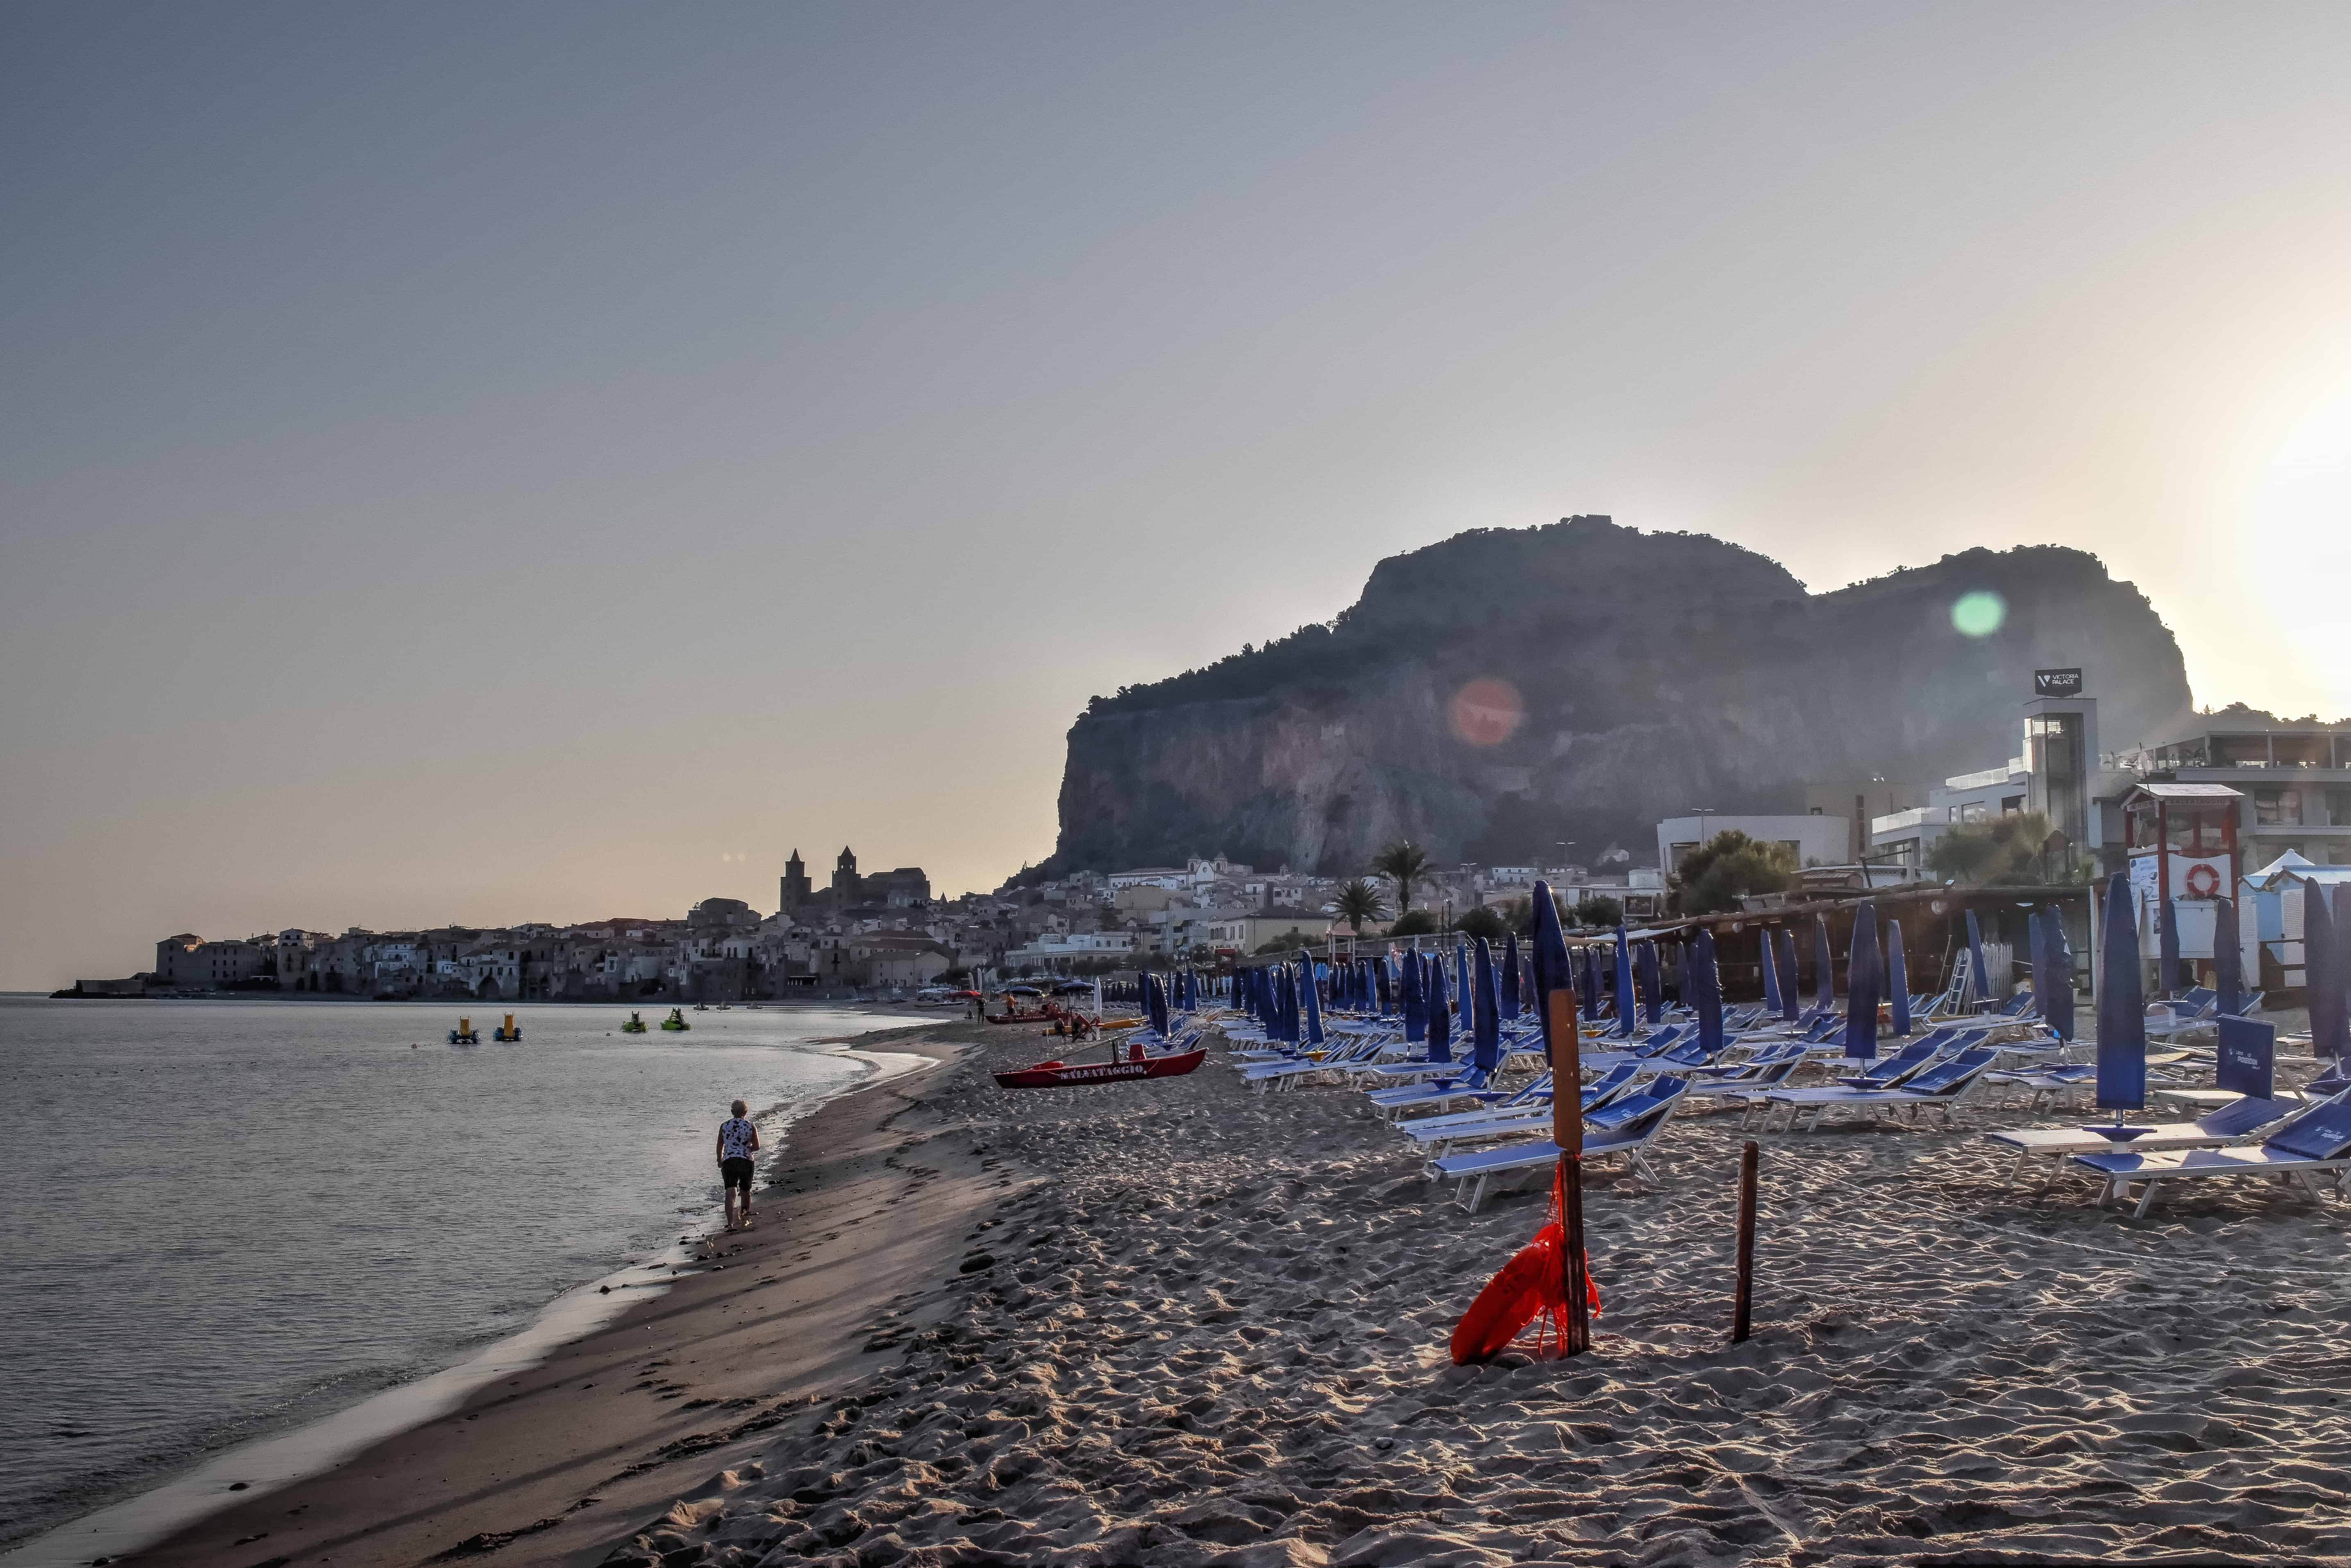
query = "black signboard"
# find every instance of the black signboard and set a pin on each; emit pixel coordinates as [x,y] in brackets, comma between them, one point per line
[2056,682]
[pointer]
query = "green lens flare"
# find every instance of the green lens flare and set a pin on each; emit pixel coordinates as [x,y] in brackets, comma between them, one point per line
[1979,614]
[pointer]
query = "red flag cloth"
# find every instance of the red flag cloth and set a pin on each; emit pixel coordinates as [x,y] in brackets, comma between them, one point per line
[1530,1286]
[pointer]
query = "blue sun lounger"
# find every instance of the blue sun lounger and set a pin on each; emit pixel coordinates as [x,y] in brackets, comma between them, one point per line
[2231,1123]
[1439,1134]
[1938,1086]
[1622,1129]
[1467,1090]
[2316,1140]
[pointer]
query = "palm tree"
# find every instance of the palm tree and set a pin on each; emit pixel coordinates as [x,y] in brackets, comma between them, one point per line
[1405,864]
[1359,901]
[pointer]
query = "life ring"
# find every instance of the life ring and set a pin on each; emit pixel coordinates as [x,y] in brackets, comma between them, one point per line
[2203,882]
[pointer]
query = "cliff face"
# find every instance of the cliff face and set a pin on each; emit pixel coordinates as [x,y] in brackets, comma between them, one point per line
[1650,674]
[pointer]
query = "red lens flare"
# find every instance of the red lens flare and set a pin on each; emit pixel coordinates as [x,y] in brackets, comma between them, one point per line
[1487,711]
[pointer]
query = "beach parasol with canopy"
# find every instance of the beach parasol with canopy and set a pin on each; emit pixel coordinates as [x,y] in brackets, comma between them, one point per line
[2167,942]
[1898,979]
[1484,1013]
[1626,1003]
[1652,992]
[1549,1278]
[2227,957]
[2060,1012]
[1440,1015]
[2122,1006]
[1823,965]
[1979,978]
[1702,982]
[1415,1005]
[1784,950]
[1314,1004]
[1771,974]
[2321,982]
[1862,986]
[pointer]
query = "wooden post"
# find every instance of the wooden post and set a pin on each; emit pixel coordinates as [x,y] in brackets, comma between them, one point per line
[1567,1131]
[1743,1299]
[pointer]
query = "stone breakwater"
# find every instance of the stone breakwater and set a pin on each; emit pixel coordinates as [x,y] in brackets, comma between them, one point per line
[1206,1327]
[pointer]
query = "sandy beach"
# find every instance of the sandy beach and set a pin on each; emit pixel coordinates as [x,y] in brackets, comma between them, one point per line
[1182,1323]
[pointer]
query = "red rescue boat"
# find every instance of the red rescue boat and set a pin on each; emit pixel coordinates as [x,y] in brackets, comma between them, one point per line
[1054,1074]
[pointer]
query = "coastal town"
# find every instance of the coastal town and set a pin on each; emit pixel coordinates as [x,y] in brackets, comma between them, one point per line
[860,933]
[2231,804]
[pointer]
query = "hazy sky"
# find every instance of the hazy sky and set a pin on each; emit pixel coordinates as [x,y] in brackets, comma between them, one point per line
[485,463]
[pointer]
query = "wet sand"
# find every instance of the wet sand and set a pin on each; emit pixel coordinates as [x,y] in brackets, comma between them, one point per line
[1176,1322]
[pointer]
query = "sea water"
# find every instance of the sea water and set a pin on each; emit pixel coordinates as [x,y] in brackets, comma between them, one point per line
[220,1218]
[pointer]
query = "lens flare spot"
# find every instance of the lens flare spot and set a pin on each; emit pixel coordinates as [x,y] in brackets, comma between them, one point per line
[1979,614]
[1487,711]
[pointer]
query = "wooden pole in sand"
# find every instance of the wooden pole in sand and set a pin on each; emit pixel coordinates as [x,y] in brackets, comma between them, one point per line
[1567,1131]
[1743,1298]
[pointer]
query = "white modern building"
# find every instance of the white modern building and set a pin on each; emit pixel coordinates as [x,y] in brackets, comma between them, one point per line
[2055,774]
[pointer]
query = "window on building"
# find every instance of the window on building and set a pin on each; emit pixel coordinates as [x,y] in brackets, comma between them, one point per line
[2276,807]
[2338,808]
[1974,811]
[2010,805]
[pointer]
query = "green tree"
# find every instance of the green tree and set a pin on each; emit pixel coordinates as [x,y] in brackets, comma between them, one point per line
[1359,901]
[1290,941]
[1408,865]
[1482,921]
[2006,851]
[1726,868]
[1413,922]
[1598,909]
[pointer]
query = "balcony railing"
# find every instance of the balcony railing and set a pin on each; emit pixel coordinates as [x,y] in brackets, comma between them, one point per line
[1916,817]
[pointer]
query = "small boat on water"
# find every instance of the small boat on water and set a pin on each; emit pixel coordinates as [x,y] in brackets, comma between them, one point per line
[676,1020]
[507,1032]
[464,1033]
[1057,1074]
[635,1025]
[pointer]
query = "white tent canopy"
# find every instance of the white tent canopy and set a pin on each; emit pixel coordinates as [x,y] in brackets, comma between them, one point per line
[2290,865]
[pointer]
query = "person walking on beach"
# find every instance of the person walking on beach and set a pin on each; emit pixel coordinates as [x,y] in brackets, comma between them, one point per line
[738,1140]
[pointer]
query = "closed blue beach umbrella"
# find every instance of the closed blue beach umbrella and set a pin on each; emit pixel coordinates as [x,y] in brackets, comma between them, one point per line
[1440,1015]
[1897,978]
[2320,983]
[1509,983]
[1416,1006]
[1484,1013]
[1862,985]
[1587,975]
[1625,1003]
[1159,1018]
[2228,956]
[2122,1005]
[1770,975]
[1704,978]
[1313,1006]
[1783,948]
[1547,957]
[2167,942]
[2341,970]
[1979,987]
[2060,1013]
[2036,950]
[1461,982]
[1823,965]
[1383,976]
[1653,993]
